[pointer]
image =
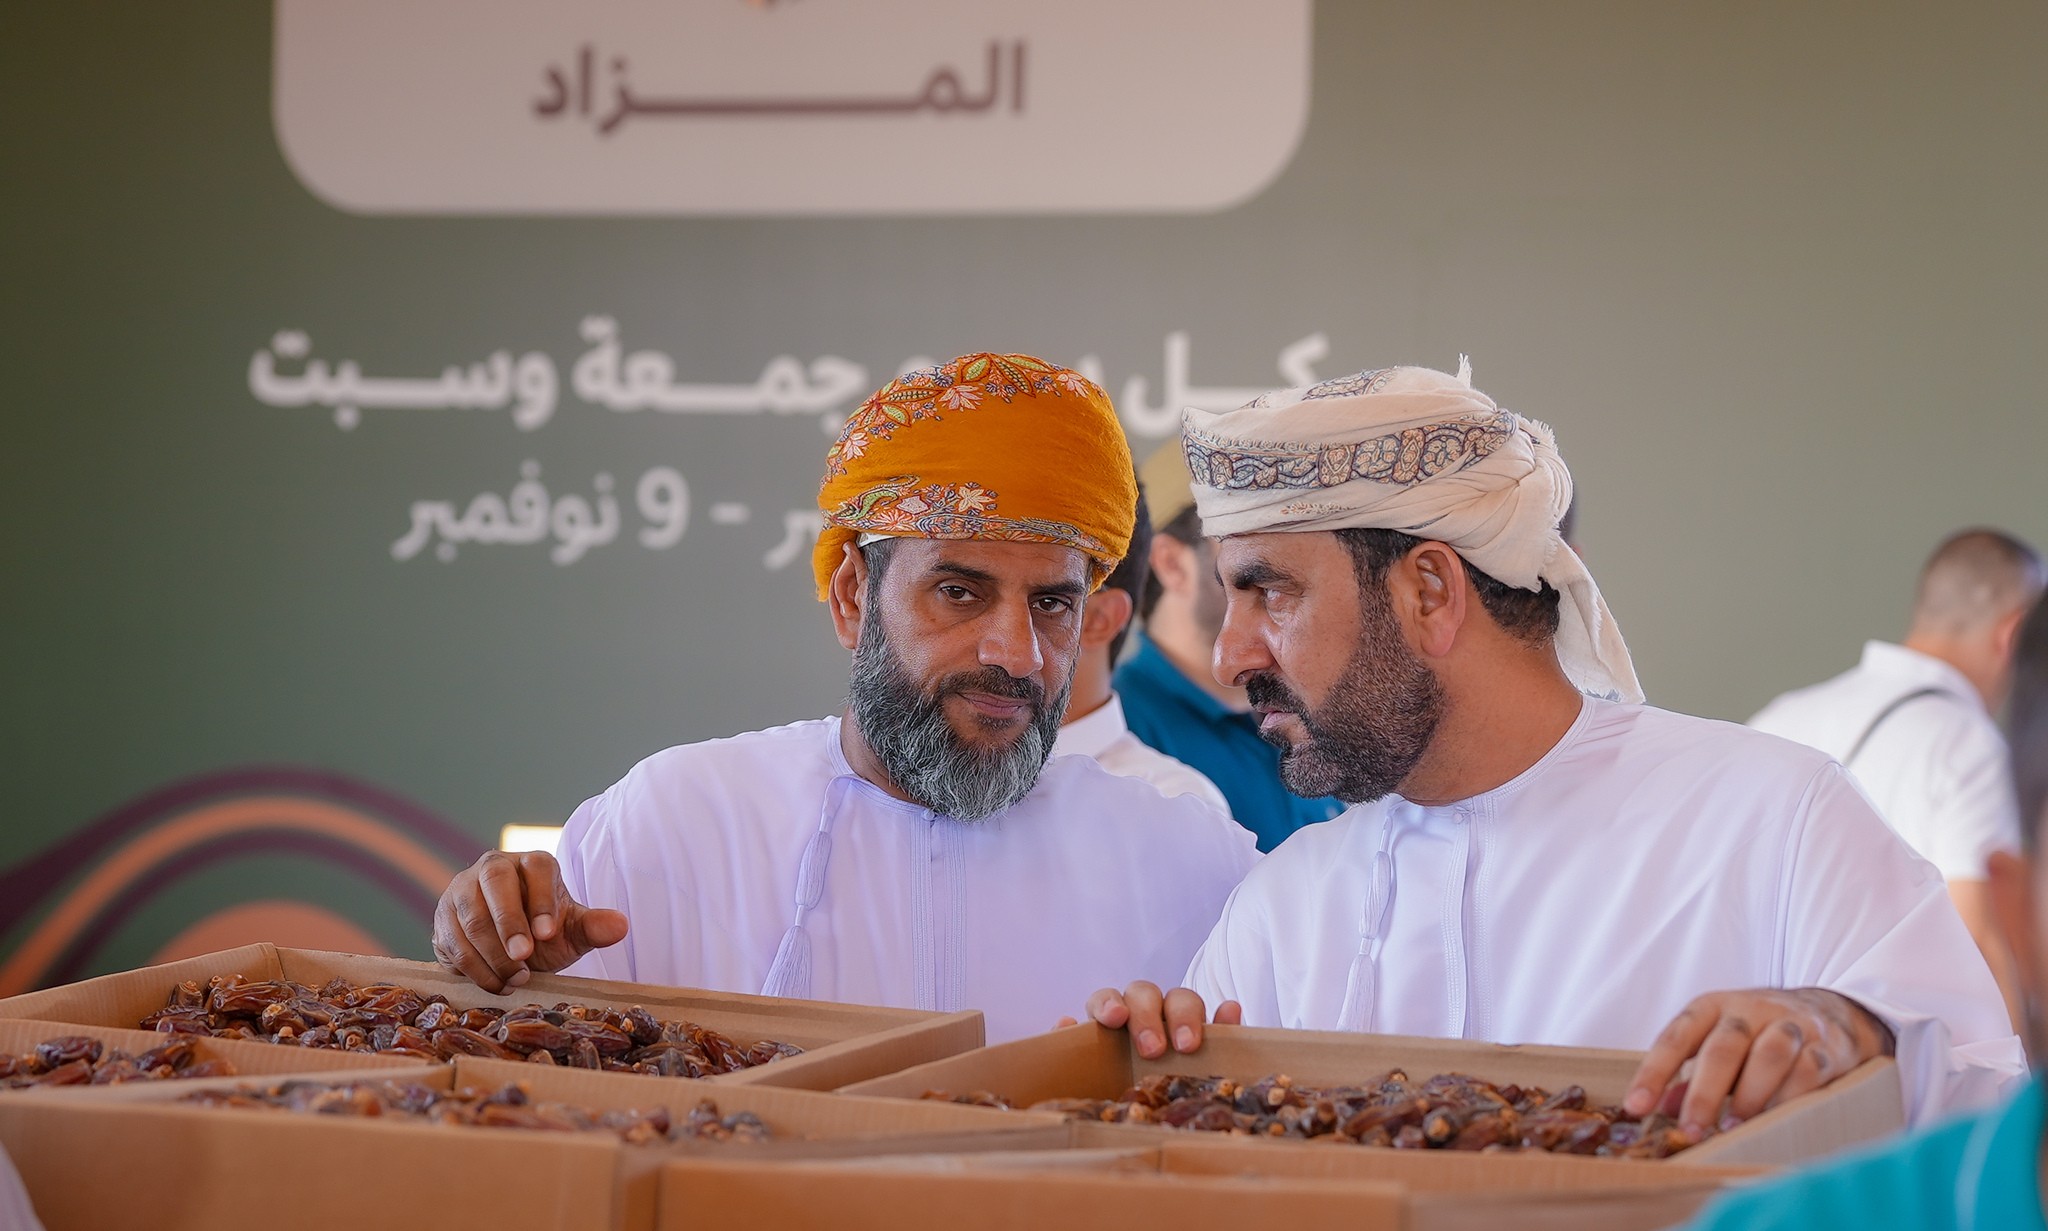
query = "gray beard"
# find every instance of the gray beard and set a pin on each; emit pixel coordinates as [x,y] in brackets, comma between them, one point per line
[906,728]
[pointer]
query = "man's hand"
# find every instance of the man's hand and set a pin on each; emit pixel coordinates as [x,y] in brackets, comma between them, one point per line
[506,916]
[1153,1018]
[1753,1049]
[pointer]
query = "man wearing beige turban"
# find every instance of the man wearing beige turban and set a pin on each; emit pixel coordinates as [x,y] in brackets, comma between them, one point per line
[1533,855]
[920,849]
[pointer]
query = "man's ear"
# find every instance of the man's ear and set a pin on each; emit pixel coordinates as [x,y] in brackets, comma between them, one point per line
[1173,563]
[849,589]
[1430,592]
[1105,615]
[2007,631]
[2013,909]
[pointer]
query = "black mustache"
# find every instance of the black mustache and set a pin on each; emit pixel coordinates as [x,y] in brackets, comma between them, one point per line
[1265,691]
[996,682]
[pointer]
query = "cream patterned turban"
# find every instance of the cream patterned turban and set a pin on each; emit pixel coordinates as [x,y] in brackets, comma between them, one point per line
[1424,453]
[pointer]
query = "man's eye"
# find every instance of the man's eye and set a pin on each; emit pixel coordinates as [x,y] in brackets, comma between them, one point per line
[958,594]
[1053,604]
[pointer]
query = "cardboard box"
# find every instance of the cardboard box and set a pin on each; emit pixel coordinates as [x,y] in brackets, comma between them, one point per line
[1088,1061]
[1190,1185]
[138,1156]
[249,1059]
[842,1042]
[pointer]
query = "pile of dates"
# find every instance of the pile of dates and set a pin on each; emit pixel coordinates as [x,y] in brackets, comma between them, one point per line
[78,1061]
[1447,1112]
[393,1020]
[508,1106]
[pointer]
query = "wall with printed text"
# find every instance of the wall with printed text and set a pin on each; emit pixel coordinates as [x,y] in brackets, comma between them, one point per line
[413,413]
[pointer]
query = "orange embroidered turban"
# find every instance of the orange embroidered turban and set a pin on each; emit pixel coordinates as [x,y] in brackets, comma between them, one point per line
[986,447]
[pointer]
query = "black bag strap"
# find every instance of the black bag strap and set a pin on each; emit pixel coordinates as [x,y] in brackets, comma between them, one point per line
[1885,713]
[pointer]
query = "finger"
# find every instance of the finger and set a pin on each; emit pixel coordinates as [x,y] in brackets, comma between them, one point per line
[541,878]
[1674,1046]
[480,935]
[1230,1013]
[1107,1008]
[1148,1019]
[1771,1056]
[595,928]
[452,948]
[504,893]
[1185,1014]
[1720,1062]
[1811,1070]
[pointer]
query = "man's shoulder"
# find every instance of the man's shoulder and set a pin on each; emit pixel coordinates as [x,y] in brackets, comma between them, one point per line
[1313,854]
[1155,694]
[1794,712]
[770,761]
[1132,757]
[1686,743]
[1078,790]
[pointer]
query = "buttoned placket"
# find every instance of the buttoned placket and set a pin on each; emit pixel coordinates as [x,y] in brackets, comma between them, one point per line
[938,910]
[1457,963]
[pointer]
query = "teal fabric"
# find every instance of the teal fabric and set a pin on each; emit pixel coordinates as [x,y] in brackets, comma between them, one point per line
[1172,713]
[1977,1173]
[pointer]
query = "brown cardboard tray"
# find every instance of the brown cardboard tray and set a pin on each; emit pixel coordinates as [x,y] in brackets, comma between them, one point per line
[842,1043]
[138,1156]
[1087,1061]
[1191,1185]
[18,1037]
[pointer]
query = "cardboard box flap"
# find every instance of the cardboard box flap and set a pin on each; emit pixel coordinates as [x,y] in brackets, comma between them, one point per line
[697,1194]
[248,1059]
[842,1042]
[183,1168]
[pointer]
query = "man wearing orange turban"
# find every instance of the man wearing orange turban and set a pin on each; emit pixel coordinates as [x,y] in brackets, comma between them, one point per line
[920,850]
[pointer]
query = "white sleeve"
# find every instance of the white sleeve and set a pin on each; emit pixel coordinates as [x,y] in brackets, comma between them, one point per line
[1973,814]
[1236,962]
[591,876]
[1866,917]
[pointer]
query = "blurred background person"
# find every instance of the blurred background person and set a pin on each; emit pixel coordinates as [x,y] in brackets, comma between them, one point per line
[1095,725]
[1979,1170]
[1170,695]
[1914,721]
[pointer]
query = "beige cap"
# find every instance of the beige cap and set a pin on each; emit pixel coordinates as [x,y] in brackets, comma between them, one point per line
[1169,489]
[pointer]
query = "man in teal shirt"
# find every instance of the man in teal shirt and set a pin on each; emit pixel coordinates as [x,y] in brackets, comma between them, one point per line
[1170,695]
[1981,1171]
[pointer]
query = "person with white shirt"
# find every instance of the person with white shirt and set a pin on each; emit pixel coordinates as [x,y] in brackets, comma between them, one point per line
[1095,725]
[920,850]
[1533,855]
[1914,721]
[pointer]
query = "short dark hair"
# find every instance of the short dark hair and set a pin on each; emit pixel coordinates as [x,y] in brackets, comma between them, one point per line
[2030,724]
[1133,573]
[1185,529]
[1530,616]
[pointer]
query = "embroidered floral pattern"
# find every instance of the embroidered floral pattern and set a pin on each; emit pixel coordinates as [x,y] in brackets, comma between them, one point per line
[905,505]
[1356,385]
[963,384]
[1402,459]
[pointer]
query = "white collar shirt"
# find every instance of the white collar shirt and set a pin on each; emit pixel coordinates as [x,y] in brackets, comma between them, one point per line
[1104,735]
[1645,860]
[1089,881]
[1935,766]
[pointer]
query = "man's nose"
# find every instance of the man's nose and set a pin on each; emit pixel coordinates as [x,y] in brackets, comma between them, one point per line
[1239,648]
[1009,640]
